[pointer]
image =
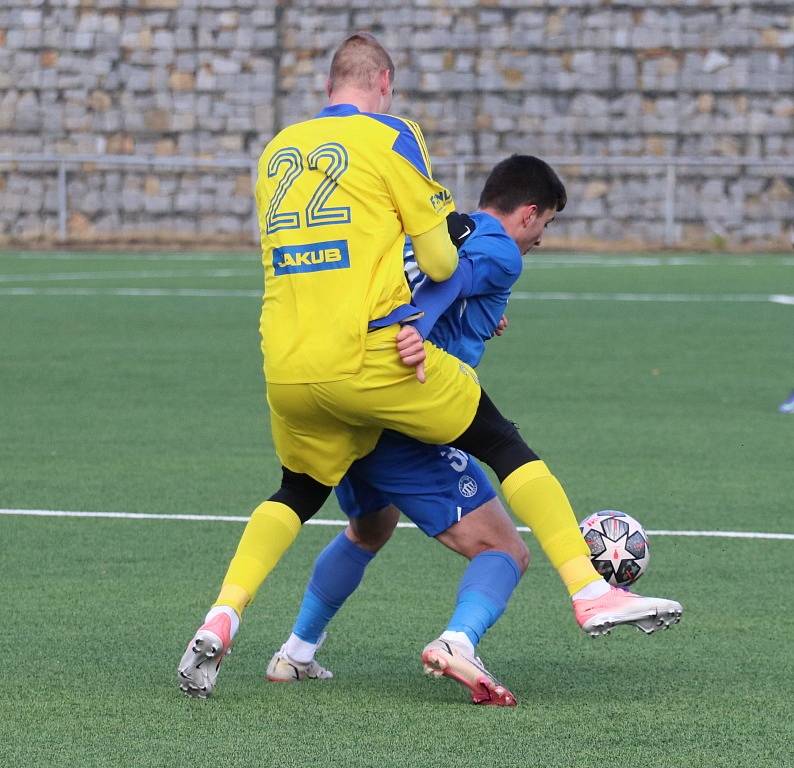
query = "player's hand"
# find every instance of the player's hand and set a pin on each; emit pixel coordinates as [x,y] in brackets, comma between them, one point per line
[460,226]
[502,327]
[411,347]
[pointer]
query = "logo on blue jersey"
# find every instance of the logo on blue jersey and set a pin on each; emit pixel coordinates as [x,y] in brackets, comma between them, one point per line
[440,200]
[313,257]
[467,486]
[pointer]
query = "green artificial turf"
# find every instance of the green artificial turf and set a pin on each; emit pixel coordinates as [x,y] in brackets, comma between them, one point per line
[666,410]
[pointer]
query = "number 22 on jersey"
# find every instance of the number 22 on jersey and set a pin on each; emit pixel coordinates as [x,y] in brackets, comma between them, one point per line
[332,160]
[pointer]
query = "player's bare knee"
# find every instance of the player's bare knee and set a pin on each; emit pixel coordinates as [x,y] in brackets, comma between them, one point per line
[521,555]
[369,540]
[513,545]
[516,549]
[500,533]
[372,531]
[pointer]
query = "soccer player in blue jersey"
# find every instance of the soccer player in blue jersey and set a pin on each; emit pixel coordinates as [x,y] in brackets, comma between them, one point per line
[787,406]
[336,196]
[443,490]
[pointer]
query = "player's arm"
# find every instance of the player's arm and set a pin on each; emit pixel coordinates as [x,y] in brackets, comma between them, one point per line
[436,251]
[424,206]
[487,265]
[496,266]
[434,298]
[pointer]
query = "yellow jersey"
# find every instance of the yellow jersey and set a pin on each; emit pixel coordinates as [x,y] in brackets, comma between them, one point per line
[336,196]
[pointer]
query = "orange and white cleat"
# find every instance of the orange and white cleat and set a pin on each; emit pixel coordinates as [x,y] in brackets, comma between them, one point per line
[597,617]
[447,659]
[198,669]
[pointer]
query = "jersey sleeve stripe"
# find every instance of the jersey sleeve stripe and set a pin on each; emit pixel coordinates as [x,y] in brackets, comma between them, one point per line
[406,144]
[420,140]
[417,131]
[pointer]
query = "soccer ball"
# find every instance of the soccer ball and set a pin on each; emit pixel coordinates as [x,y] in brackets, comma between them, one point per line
[618,546]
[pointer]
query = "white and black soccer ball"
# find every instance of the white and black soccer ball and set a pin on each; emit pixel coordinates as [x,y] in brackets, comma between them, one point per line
[618,545]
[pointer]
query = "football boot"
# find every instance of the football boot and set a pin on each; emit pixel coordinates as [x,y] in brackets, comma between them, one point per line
[618,606]
[284,669]
[448,659]
[198,669]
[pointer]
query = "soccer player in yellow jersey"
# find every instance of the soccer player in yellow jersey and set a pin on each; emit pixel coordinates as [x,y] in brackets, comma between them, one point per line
[336,196]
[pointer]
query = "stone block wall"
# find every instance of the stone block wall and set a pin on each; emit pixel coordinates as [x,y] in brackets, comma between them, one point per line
[556,78]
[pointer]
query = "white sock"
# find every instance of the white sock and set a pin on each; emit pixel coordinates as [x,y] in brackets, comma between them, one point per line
[230,612]
[299,650]
[459,638]
[593,590]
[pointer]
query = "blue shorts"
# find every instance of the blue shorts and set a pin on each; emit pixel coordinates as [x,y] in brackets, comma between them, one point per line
[432,485]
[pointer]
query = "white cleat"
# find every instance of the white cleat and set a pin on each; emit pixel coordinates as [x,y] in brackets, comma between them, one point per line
[598,617]
[284,669]
[447,659]
[198,669]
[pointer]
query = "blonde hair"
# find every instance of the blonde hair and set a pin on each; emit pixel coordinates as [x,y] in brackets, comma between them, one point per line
[358,61]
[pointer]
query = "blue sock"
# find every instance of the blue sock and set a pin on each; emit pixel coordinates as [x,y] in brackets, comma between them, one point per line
[484,590]
[338,570]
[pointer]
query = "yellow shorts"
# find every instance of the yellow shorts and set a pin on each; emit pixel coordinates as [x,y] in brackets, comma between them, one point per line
[320,429]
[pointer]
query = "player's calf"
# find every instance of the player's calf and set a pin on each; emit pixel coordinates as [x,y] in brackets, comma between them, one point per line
[487,528]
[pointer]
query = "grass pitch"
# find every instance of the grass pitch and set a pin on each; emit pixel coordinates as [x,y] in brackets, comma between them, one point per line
[133,383]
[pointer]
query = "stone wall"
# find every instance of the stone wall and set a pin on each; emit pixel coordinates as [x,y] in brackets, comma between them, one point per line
[557,78]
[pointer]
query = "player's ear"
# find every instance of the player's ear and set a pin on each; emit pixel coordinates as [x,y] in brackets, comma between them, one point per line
[385,83]
[328,87]
[529,214]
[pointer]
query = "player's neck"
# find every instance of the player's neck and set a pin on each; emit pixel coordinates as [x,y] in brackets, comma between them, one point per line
[498,215]
[510,221]
[364,101]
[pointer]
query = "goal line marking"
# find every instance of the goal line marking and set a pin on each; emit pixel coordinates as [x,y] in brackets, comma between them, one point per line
[339,523]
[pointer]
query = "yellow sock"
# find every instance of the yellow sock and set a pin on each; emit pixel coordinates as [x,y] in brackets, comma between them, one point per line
[267,536]
[537,498]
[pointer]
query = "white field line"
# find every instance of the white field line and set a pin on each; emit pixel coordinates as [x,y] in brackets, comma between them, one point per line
[729,298]
[46,277]
[211,293]
[542,260]
[339,523]
[251,257]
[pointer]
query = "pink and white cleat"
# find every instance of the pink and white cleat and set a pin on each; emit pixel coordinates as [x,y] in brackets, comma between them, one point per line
[444,658]
[198,669]
[597,617]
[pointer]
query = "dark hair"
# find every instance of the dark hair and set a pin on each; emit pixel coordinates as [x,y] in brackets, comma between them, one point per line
[523,180]
[358,60]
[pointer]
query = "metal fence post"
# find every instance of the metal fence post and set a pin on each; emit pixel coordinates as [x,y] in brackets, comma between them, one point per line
[460,180]
[669,206]
[62,201]
[671,230]
[254,215]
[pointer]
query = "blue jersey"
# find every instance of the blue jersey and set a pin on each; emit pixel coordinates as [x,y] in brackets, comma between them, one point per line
[435,486]
[489,265]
